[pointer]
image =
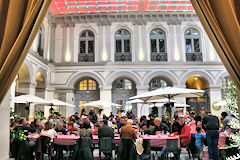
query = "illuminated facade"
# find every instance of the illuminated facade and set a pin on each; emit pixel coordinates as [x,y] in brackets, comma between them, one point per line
[123,51]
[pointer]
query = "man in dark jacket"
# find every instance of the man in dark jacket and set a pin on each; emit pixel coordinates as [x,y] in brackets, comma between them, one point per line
[105,131]
[211,126]
[159,127]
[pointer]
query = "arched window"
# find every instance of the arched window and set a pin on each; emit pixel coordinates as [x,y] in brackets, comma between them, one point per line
[193,45]
[124,84]
[40,42]
[157,83]
[86,51]
[122,45]
[87,85]
[158,45]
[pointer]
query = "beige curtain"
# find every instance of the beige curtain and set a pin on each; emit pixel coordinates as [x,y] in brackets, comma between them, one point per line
[20,21]
[221,20]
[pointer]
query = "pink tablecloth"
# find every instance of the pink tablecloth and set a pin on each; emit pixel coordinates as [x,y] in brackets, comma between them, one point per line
[66,140]
[155,140]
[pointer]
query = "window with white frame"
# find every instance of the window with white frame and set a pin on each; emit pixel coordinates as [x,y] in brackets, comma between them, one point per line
[86,47]
[158,45]
[123,45]
[193,45]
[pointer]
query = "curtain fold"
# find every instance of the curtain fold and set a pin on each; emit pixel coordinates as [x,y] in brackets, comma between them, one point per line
[221,20]
[20,22]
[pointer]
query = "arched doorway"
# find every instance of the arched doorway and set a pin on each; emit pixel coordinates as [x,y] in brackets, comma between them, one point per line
[201,104]
[122,90]
[40,91]
[22,85]
[86,90]
[156,83]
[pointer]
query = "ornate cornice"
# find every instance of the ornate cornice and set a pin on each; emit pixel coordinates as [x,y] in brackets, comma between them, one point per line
[137,18]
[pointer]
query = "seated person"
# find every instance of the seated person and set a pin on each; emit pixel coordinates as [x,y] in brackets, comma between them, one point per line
[86,131]
[148,128]
[48,131]
[60,129]
[159,127]
[105,131]
[96,127]
[183,134]
[127,131]
[72,129]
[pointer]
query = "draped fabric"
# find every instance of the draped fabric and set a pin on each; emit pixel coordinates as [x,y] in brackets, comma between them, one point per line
[20,21]
[221,19]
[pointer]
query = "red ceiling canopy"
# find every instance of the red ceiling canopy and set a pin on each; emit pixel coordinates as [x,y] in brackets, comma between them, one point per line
[59,7]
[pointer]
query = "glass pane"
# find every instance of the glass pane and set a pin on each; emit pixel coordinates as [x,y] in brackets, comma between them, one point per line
[126,45]
[90,34]
[118,46]
[82,46]
[125,33]
[118,33]
[195,32]
[153,45]
[161,45]
[83,34]
[153,33]
[196,45]
[119,84]
[128,84]
[160,33]
[90,46]
[188,46]
[188,32]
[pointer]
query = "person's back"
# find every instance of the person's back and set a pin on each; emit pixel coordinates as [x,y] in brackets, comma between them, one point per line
[105,131]
[210,122]
[198,141]
[127,131]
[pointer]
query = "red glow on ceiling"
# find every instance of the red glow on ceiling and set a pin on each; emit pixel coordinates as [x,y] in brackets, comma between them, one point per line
[59,7]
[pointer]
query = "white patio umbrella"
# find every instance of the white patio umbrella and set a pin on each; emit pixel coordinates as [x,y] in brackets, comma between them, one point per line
[151,101]
[168,92]
[56,102]
[100,104]
[28,99]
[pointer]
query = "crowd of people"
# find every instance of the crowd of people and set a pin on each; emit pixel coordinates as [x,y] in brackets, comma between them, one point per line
[191,129]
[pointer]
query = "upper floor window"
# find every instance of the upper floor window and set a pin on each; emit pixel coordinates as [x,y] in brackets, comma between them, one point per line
[226,83]
[122,45]
[157,83]
[124,84]
[192,43]
[88,85]
[86,51]
[158,45]
[40,42]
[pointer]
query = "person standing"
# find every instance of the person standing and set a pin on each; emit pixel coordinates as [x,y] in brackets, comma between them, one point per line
[210,124]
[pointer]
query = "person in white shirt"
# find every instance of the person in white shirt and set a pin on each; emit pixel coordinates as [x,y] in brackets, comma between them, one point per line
[123,114]
[48,131]
[99,116]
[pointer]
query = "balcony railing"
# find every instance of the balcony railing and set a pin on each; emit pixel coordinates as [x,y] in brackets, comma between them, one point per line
[159,57]
[86,57]
[123,57]
[194,56]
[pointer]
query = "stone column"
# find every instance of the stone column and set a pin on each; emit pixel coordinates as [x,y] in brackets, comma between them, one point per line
[69,99]
[48,96]
[140,107]
[215,96]
[106,95]
[32,90]
[4,123]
